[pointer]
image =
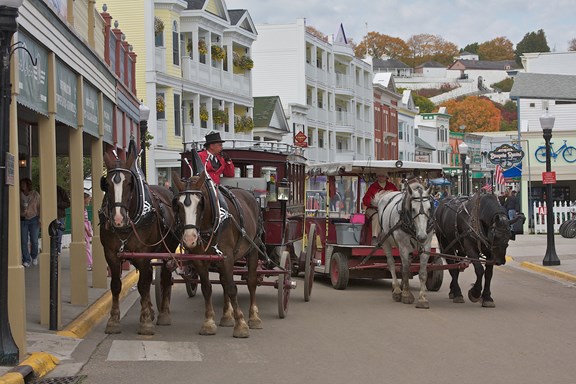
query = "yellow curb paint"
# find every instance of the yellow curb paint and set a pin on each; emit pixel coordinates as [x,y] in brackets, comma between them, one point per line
[41,363]
[548,271]
[12,378]
[80,326]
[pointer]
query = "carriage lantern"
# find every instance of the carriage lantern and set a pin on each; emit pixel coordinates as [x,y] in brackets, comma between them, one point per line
[283,190]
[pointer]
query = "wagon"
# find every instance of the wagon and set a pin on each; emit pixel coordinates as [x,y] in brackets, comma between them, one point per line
[275,173]
[343,236]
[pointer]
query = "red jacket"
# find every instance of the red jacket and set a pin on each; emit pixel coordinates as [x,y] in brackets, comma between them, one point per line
[226,168]
[373,189]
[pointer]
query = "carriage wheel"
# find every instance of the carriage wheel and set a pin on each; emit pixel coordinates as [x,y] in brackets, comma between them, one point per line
[158,286]
[284,285]
[435,278]
[191,288]
[563,226]
[571,230]
[339,273]
[309,262]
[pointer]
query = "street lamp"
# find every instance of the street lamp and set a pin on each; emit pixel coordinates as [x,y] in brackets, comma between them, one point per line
[468,176]
[9,352]
[550,258]
[144,115]
[463,149]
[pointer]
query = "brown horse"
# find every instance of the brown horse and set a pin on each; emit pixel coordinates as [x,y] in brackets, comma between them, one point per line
[207,227]
[136,217]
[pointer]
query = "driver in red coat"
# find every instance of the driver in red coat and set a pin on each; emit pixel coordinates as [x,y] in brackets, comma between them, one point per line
[381,184]
[217,163]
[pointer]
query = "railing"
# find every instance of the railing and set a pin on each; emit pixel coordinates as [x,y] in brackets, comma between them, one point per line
[161,127]
[161,59]
[562,212]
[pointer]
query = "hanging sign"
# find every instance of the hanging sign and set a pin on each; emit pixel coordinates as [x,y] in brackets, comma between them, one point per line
[506,156]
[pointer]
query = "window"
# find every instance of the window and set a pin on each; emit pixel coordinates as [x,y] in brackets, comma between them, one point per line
[177,117]
[401,132]
[160,106]
[175,44]
[159,39]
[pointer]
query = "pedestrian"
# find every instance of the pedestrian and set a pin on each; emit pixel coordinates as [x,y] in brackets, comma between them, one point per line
[216,162]
[29,222]
[382,183]
[511,205]
[62,202]
[88,232]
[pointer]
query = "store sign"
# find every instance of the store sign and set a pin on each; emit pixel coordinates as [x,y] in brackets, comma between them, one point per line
[506,156]
[300,140]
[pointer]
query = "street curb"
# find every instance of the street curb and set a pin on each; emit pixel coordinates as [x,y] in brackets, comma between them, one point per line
[548,271]
[38,364]
[87,320]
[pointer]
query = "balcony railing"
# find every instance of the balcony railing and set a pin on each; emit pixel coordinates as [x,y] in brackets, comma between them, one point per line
[161,59]
[161,132]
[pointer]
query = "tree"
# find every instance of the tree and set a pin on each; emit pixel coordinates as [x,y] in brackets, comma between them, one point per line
[532,42]
[478,114]
[496,49]
[572,45]
[314,32]
[423,103]
[471,48]
[426,47]
[378,45]
[504,85]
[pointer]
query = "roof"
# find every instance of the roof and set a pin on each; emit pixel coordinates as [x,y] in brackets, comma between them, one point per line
[195,4]
[487,65]
[543,86]
[431,64]
[383,78]
[422,144]
[235,15]
[264,108]
[388,64]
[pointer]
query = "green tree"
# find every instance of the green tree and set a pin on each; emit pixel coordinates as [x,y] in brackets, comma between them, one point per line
[423,103]
[471,48]
[504,85]
[532,42]
[496,49]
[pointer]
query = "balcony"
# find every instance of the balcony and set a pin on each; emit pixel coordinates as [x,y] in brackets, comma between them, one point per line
[344,84]
[161,59]
[161,132]
[216,78]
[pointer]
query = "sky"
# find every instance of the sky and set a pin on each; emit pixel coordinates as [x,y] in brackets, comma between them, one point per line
[461,22]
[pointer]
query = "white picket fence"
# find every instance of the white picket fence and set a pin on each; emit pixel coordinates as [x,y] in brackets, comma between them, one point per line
[562,211]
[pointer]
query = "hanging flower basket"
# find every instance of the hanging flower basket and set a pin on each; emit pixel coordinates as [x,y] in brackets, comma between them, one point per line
[243,124]
[158,26]
[218,53]
[203,113]
[243,62]
[219,116]
[189,46]
[202,48]
[160,105]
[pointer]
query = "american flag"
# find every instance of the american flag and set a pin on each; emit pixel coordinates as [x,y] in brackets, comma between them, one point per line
[499,176]
[487,187]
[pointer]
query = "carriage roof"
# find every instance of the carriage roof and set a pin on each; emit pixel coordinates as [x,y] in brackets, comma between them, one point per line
[373,166]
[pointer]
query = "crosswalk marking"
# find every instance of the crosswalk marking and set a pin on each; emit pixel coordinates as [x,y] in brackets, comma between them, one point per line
[136,350]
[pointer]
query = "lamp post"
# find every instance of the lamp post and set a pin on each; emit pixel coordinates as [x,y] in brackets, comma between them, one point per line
[144,116]
[468,176]
[463,149]
[9,352]
[550,258]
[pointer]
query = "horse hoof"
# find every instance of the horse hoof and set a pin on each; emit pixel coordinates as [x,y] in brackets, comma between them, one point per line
[255,324]
[458,299]
[488,304]
[113,329]
[472,298]
[227,322]
[208,328]
[164,319]
[423,304]
[397,297]
[407,300]
[147,330]
[451,296]
[241,332]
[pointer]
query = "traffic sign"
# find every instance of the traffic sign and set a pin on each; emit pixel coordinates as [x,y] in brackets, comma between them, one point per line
[548,177]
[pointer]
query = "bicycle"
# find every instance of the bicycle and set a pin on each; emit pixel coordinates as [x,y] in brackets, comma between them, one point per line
[568,153]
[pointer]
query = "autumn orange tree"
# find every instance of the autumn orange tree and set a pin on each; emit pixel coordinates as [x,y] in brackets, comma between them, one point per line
[496,49]
[426,47]
[478,114]
[377,45]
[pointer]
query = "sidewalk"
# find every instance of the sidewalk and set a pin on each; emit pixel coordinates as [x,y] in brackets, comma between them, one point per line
[47,348]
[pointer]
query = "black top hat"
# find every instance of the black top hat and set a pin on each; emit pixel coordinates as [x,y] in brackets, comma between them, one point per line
[213,138]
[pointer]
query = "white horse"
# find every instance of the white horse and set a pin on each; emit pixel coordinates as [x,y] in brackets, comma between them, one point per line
[406,219]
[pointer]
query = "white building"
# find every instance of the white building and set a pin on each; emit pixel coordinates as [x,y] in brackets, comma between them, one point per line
[407,112]
[559,63]
[328,90]
[433,129]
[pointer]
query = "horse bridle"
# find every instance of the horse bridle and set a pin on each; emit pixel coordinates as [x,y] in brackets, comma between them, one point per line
[115,176]
[408,220]
[188,193]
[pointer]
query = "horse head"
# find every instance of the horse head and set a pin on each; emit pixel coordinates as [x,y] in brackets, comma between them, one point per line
[418,206]
[188,206]
[120,186]
[497,227]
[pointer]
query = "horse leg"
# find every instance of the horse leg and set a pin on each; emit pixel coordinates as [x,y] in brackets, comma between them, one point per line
[407,296]
[423,275]
[487,301]
[455,292]
[113,325]
[209,325]
[146,311]
[227,319]
[241,329]
[475,292]
[396,291]
[164,317]
[254,321]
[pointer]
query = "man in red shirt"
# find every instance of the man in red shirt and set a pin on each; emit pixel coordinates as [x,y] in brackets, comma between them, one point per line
[217,163]
[381,184]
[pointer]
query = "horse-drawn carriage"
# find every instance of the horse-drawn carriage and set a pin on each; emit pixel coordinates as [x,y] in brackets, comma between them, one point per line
[252,230]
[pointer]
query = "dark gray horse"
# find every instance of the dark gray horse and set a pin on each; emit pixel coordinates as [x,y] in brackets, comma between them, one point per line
[475,227]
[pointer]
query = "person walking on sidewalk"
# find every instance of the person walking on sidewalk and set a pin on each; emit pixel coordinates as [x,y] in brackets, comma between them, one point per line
[88,232]
[511,205]
[62,202]
[29,222]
